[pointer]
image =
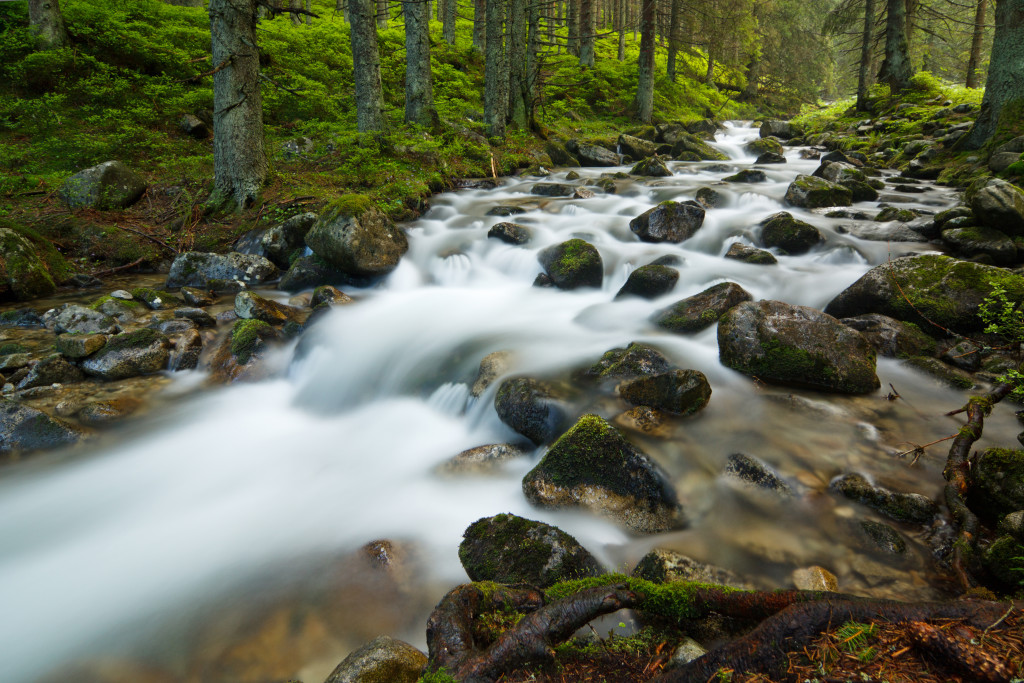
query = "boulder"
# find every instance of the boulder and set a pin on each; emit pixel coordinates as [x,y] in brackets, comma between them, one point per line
[928,287]
[531,408]
[572,264]
[281,242]
[593,155]
[510,233]
[190,124]
[354,238]
[702,310]
[636,360]
[705,128]
[682,392]
[668,222]
[310,271]
[902,507]
[710,199]
[751,472]
[107,186]
[781,343]
[593,467]
[742,252]
[686,143]
[667,566]
[973,241]
[487,459]
[778,129]
[81,320]
[24,429]
[997,204]
[652,167]
[1004,560]
[637,148]
[649,282]
[890,337]
[199,269]
[382,660]
[552,190]
[513,550]
[793,236]
[196,315]
[560,156]
[194,296]
[129,354]
[764,146]
[770,158]
[52,369]
[997,483]
[811,193]
[24,274]
[249,306]
[747,175]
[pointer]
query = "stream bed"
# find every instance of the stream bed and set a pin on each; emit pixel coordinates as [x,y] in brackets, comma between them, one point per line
[223,536]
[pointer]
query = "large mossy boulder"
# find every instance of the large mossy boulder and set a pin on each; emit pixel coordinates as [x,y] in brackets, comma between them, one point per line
[637,148]
[24,429]
[593,155]
[649,282]
[110,185]
[353,237]
[781,343]
[382,660]
[201,269]
[510,549]
[997,483]
[997,204]
[809,192]
[668,222]
[700,311]
[532,408]
[592,466]
[975,241]
[925,288]
[777,129]
[685,144]
[652,167]
[29,268]
[129,354]
[573,264]
[794,236]
[764,146]
[682,392]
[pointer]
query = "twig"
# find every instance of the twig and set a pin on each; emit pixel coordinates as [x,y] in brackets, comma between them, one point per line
[219,67]
[149,237]
[111,271]
[270,80]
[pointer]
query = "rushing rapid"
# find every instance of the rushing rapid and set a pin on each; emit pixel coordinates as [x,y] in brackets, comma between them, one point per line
[130,549]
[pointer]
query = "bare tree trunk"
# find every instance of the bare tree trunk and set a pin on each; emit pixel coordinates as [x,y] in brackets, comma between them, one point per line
[516,49]
[620,11]
[47,23]
[586,32]
[295,16]
[645,64]
[448,21]
[495,71]
[709,77]
[383,12]
[239,159]
[867,43]
[480,24]
[674,37]
[419,85]
[976,38]
[896,69]
[366,67]
[342,6]
[572,17]
[532,61]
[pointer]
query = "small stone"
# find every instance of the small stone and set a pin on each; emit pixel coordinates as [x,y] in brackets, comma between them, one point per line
[884,537]
[249,306]
[197,315]
[583,193]
[752,472]
[80,345]
[121,294]
[102,413]
[194,296]
[814,579]
[687,651]
[382,659]
[511,233]
[482,459]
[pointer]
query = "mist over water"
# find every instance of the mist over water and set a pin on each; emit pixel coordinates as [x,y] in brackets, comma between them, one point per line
[114,548]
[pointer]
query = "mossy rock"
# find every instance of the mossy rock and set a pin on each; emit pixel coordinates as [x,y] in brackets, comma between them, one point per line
[591,466]
[783,231]
[652,167]
[687,144]
[947,374]
[24,429]
[573,264]
[532,408]
[29,268]
[248,337]
[702,310]
[902,507]
[1004,560]
[895,213]
[892,338]
[636,360]
[351,236]
[976,241]
[682,392]
[382,660]
[812,193]
[509,549]
[764,146]
[129,354]
[649,282]
[668,222]
[926,289]
[747,254]
[110,185]
[997,483]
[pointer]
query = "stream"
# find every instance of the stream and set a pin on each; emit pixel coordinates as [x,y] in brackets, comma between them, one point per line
[218,537]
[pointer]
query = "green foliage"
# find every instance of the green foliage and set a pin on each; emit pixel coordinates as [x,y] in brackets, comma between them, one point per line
[439,676]
[1004,317]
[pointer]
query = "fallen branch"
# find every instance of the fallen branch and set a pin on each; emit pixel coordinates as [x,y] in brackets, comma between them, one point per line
[118,269]
[147,236]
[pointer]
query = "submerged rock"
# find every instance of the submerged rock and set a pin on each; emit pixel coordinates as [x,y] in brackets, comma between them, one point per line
[531,407]
[24,429]
[682,392]
[666,566]
[781,343]
[482,459]
[510,549]
[668,222]
[751,472]
[593,467]
[902,507]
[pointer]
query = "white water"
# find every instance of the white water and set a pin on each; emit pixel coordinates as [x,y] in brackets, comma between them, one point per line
[233,484]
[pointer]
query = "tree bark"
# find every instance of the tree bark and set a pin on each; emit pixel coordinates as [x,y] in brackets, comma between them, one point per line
[448,22]
[366,66]
[620,18]
[645,63]
[867,43]
[674,37]
[1005,83]
[480,25]
[516,50]
[976,38]
[572,16]
[896,68]
[295,16]
[532,61]
[419,85]
[383,12]
[239,159]
[586,33]
[495,71]
[47,23]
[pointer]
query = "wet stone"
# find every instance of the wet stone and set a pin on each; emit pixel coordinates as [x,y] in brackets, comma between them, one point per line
[902,507]
[79,345]
[649,282]
[482,460]
[748,254]
[52,369]
[883,537]
[814,579]
[751,472]
[667,566]
[505,211]
[197,315]
[101,413]
[194,296]
[510,233]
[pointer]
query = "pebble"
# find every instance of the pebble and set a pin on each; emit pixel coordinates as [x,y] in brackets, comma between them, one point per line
[121,294]
[814,579]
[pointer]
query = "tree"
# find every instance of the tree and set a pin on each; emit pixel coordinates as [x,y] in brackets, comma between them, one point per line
[976,37]
[864,68]
[515,48]
[1004,87]
[586,32]
[495,71]
[645,64]
[419,85]
[675,30]
[239,159]
[448,22]
[896,70]
[383,10]
[480,24]
[47,23]
[366,66]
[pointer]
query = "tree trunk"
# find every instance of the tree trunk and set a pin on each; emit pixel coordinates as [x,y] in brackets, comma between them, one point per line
[1005,83]
[419,85]
[532,61]
[495,71]
[366,66]
[295,16]
[586,33]
[342,6]
[645,64]
[383,12]
[976,38]
[709,77]
[620,18]
[896,69]
[753,74]
[480,25]
[516,50]
[47,23]
[239,160]
[572,16]
[448,22]
[867,43]
[674,37]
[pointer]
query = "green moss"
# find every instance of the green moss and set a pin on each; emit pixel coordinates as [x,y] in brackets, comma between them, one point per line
[132,340]
[12,347]
[246,338]
[95,305]
[439,676]
[1005,560]
[353,205]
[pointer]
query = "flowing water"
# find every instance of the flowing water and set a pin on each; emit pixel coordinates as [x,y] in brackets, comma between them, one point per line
[182,536]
